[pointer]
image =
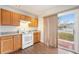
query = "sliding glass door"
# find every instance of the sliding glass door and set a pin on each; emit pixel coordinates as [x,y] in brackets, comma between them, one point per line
[66,30]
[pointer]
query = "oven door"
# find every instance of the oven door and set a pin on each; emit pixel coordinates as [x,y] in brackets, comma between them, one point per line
[27,40]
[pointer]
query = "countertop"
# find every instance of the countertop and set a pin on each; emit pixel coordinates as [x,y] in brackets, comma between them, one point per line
[14,33]
[8,34]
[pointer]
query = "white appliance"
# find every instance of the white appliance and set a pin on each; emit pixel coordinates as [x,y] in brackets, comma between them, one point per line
[27,40]
[27,37]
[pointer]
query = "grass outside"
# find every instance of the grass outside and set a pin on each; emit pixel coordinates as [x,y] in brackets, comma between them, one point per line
[66,36]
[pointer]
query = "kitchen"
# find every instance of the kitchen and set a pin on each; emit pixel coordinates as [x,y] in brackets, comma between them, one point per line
[17,31]
[39,29]
[31,29]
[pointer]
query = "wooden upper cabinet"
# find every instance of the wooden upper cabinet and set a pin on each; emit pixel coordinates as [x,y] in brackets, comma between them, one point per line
[6,17]
[34,23]
[9,44]
[0,11]
[28,18]
[22,17]
[15,21]
[0,45]
[0,16]
[25,18]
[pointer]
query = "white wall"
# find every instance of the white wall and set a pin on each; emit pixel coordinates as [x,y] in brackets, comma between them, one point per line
[40,28]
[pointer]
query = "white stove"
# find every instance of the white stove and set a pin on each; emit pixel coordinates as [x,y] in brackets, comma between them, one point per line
[27,39]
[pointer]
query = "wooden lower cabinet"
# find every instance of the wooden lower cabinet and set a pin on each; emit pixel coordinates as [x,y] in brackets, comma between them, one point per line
[10,44]
[17,42]
[6,44]
[36,37]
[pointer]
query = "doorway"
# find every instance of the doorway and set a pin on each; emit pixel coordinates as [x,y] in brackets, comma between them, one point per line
[66,30]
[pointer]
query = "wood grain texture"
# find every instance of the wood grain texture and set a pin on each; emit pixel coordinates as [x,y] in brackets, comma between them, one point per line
[36,37]
[28,18]
[34,22]
[17,42]
[6,44]
[9,18]
[0,16]
[6,20]
[15,19]
[22,17]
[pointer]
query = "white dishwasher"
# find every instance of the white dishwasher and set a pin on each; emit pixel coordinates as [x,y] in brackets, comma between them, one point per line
[27,40]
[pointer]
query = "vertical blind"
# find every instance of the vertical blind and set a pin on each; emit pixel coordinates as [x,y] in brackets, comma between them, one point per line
[50,30]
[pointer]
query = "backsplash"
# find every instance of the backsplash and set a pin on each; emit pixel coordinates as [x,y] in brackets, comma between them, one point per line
[8,28]
[13,28]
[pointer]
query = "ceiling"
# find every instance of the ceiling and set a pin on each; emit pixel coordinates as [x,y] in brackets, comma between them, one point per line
[42,10]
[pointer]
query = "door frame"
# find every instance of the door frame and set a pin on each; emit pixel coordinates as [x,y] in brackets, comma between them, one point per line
[76,27]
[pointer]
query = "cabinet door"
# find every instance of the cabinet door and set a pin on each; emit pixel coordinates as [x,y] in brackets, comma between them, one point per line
[6,20]
[0,11]
[0,16]
[15,19]
[34,23]
[20,41]
[28,18]
[6,44]
[17,42]
[36,37]
[22,17]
